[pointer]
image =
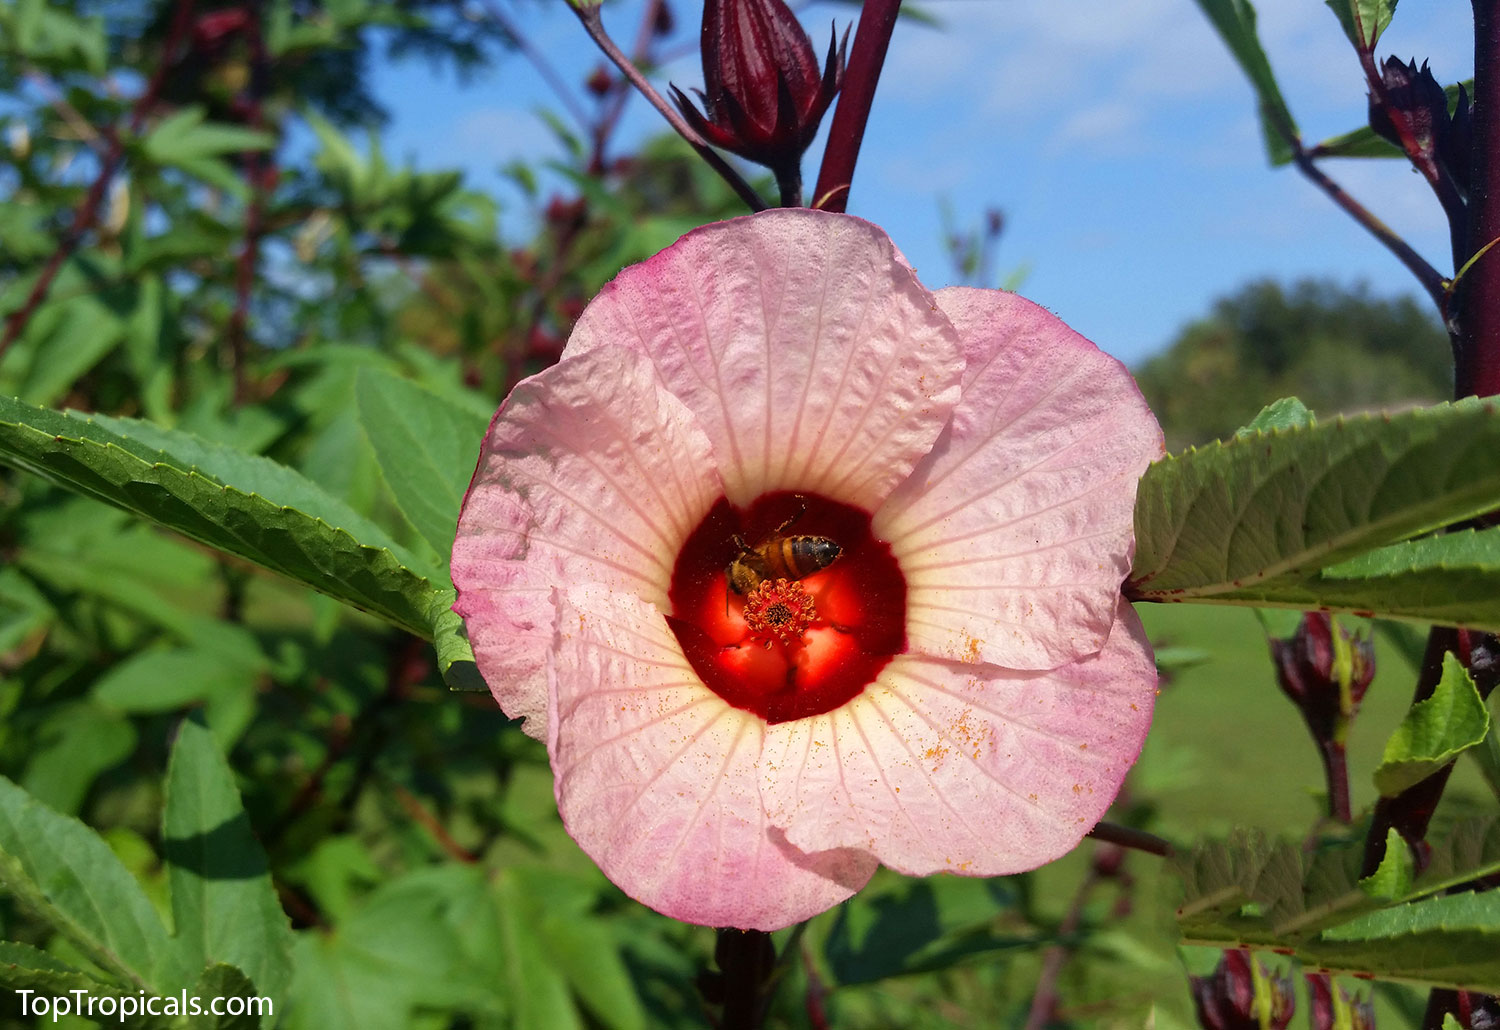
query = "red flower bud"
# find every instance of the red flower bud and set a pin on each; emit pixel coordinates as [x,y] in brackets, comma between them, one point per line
[1305,668]
[764,92]
[600,81]
[1413,111]
[665,21]
[210,29]
[1323,1014]
[1226,1000]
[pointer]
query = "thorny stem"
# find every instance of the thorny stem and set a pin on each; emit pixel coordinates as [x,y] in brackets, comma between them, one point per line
[593,24]
[877,21]
[87,212]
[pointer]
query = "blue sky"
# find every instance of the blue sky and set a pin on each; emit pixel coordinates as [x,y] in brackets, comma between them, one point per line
[1118,138]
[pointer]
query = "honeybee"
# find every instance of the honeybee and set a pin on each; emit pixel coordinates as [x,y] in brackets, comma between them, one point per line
[779,557]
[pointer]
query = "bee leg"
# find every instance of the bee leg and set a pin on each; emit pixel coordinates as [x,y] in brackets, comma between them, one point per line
[801,511]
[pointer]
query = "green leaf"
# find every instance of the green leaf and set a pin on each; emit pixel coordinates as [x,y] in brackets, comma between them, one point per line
[1434,732]
[455,656]
[165,680]
[415,945]
[242,504]
[587,951]
[427,449]
[70,748]
[23,967]
[65,873]
[901,926]
[1363,142]
[1251,892]
[1452,578]
[1451,940]
[64,340]
[225,981]
[1393,878]
[1363,20]
[1234,20]
[223,904]
[1286,413]
[1239,520]
[541,991]
[186,141]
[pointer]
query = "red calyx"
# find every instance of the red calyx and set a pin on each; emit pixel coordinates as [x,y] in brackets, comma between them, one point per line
[764,94]
[786,665]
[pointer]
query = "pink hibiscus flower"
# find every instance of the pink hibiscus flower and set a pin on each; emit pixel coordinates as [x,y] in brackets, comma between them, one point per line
[960,689]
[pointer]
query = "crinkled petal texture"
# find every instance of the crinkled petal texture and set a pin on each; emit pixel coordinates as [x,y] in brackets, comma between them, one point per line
[945,767]
[812,357]
[1016,530]
[657,778]
[590,473]
[998,452]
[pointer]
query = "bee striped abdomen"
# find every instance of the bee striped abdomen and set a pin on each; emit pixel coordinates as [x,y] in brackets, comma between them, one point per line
[793,557]
[781,557]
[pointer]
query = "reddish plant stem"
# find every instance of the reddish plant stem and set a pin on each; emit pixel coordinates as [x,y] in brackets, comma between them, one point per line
[1045,1001]
[877,21]
[433,825]
[1478,307]
[1336,771]
[1429,277]
[613,105]
[746,959]
[87,212]
[593,24]
[1129,837]
[1476,319]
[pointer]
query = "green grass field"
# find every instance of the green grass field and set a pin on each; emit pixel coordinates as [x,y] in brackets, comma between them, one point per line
[1227,748]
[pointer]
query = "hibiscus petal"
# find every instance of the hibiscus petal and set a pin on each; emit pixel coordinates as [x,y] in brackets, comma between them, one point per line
[969,769]
[590,473]
[811,355]
[656,777]
[1015,532]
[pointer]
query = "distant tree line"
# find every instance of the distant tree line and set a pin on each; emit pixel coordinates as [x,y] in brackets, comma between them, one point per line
[1337,348]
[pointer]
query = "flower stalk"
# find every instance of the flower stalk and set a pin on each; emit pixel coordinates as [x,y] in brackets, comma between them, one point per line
[593,23]
[877,22]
